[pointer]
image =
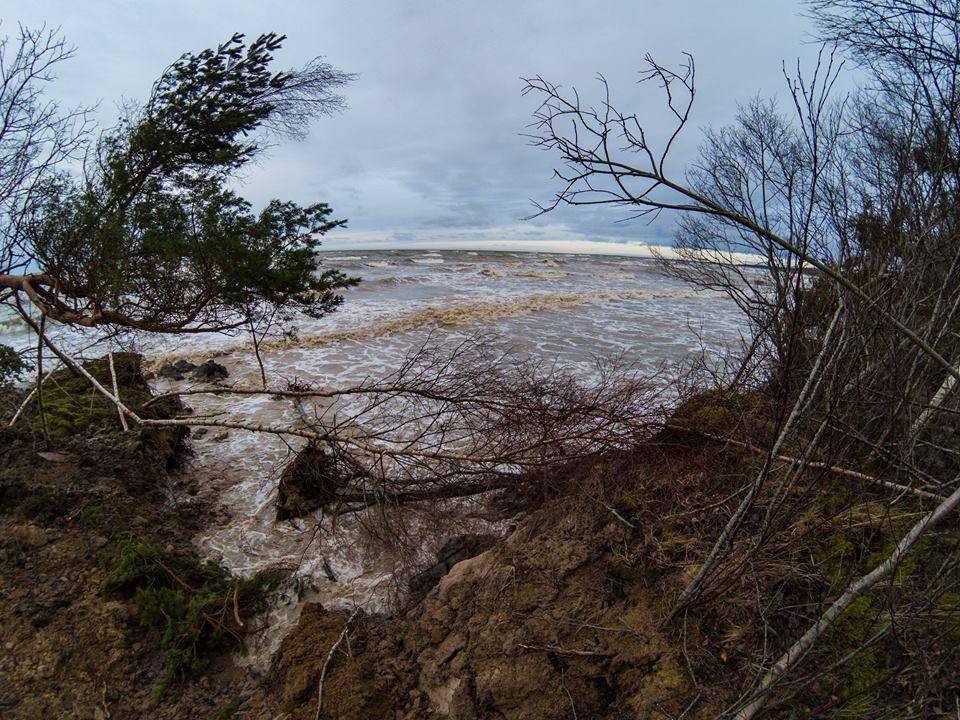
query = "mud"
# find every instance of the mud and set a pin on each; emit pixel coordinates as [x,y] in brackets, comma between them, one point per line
[540,626]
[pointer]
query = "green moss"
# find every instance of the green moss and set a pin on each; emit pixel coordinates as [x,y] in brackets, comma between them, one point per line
[629,503]
[948,605]
[717,411]
[712,419]
[90,516]
[231,709]
[196,607]
[670,677]
[835,557]
[863,675]
[923,549]
[620,570]
[72,405]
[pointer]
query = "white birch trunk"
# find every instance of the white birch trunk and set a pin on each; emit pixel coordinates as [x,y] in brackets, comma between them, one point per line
[855,590]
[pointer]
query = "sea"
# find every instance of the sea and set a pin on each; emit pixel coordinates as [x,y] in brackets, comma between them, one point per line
[570,310]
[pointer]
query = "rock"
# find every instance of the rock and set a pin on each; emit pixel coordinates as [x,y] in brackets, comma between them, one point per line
[55,457]
[29,536]
[454,550]
[210,371]
[310,481]
[177,370]
[451,645]
[119,612]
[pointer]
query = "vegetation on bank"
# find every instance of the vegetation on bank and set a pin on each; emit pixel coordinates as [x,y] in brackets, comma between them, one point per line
[842,518]
[196,606]
[70,405]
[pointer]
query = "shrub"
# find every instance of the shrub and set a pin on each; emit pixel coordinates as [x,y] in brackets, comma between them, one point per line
[196,607]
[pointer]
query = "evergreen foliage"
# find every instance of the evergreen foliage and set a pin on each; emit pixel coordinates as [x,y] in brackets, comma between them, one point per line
[195,607]
[152,237]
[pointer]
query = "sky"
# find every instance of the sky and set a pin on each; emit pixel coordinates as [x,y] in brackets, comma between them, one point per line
[431,145]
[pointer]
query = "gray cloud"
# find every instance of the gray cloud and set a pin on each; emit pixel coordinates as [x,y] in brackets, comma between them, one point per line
[432,138]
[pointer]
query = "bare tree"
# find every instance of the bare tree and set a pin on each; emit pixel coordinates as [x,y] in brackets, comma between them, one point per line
[848,205]
[37,137]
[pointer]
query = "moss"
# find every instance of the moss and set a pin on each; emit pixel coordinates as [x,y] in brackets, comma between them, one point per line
[231,709]
[835,558]
[863,675]
[947,605]
[620,570]
[926,547]
[629,503]
[708,411]
[90,516]
[719,412]
[196,607]
[669,676]
[712,419]
[71,405]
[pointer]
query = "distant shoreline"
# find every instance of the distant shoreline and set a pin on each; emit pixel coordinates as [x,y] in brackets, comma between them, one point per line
[334,245]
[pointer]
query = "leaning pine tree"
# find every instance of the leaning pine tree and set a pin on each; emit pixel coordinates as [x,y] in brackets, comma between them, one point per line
[151,237]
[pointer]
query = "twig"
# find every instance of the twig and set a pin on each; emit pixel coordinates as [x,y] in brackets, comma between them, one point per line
[326,663]
[814,465]
[103,702]
[173,576]
[116,392]
[236,606]
[40,408]
[573,707]
[796,652]
[617,515]
[562,651]
[24,405]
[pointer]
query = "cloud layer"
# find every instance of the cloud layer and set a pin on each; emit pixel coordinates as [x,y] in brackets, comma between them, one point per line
[433,136]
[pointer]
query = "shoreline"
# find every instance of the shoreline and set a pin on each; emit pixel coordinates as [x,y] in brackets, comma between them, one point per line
[552,247]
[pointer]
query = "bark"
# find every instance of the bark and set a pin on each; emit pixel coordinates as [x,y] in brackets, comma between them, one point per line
[857,589]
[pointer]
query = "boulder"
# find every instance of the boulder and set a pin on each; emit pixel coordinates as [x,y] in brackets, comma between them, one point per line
[455,549]
[176,371]
[210,371]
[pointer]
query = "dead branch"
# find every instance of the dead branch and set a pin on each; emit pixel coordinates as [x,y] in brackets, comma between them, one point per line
[116,392]
[556,649]
[326,662]
[814,465]
[796,652]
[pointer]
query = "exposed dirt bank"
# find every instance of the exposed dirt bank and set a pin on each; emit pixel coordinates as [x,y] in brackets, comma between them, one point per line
[564,618]
[550,622]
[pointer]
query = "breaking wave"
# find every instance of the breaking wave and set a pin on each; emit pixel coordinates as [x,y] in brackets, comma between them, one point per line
[455,316]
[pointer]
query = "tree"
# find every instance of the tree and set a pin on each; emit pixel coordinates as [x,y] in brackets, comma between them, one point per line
[850,206]
[151,237]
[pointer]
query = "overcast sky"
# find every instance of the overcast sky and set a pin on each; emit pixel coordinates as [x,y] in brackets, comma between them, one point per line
[431,142]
